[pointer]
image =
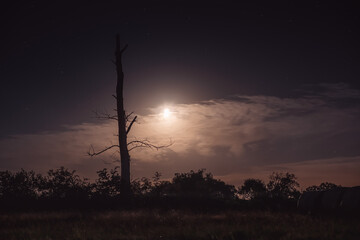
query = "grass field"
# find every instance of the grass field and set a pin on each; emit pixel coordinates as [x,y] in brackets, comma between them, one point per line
[147,224]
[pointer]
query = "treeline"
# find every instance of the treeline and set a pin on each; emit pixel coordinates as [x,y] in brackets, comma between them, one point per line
[64,189]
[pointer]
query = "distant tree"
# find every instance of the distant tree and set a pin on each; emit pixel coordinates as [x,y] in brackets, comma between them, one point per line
[20,185]
[196,185]
[108,183]
[322,187]
[283,186]
[146,187]
[142,187]
[156,179]
[252,188]
[64,184]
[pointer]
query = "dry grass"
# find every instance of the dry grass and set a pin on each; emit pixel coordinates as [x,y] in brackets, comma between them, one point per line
[111,225]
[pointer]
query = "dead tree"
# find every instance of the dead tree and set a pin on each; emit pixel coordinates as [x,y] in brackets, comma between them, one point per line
[125,124]
[122,131]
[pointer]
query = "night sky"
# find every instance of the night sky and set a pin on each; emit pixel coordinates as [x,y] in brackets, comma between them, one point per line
[251,88]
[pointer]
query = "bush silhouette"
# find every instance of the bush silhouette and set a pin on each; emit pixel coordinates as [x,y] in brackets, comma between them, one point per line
[63,188]
[196,185]
[283,186]
[253,189]
[62,184]
[322,187]
[108,183]
[19,185]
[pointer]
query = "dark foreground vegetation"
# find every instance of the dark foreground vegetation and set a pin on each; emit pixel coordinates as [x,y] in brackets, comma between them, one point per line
[193,205]
[174,224]
[62,189]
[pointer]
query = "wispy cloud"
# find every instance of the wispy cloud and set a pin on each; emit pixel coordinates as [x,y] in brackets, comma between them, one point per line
[234,138]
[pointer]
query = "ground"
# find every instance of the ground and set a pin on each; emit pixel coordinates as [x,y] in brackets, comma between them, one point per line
[174,224]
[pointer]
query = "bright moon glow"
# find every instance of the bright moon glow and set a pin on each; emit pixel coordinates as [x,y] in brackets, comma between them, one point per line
[166,113]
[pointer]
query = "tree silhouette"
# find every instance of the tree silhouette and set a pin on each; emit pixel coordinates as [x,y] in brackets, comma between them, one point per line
[122,131]
[64,184]
[125,124]
[122,119]
[195,185]
[322,187]
[107,184]
[19,186]
[283,186]
[253,188]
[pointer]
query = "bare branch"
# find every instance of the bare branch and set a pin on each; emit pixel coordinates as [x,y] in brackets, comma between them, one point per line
[92,152]
[104,115]
[128,116]
[146,144]
[132,122]
[124,48]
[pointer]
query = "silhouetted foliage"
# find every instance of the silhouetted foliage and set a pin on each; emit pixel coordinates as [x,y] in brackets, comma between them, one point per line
[253,188]
[64,184]
[108,183]
[63,188]
[322,187]
[20,185]
[283,186]
[280,193]
[146,188]
[142,187]
[196,185]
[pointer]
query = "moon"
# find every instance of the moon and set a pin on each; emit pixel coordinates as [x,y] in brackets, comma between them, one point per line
[166,113]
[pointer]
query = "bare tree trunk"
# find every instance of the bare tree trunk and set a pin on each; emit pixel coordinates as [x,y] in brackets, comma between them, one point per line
[122,120]
[125,188]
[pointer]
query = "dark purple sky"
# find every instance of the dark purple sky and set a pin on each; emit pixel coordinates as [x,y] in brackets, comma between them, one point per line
[302,58]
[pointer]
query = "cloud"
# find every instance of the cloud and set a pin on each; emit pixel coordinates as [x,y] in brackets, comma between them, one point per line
[235,138]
